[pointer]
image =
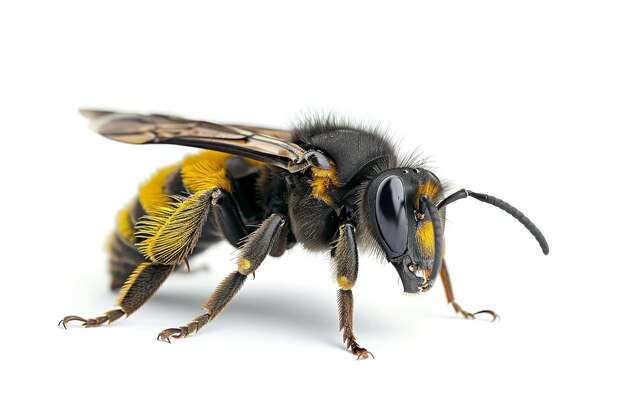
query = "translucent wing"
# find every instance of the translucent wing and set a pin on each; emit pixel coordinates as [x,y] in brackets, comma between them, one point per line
[267,145]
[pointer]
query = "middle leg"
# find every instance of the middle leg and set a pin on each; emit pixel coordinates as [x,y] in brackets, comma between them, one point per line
[345,259]
[256,247]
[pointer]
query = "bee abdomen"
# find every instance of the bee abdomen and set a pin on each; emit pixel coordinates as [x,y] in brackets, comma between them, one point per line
[187,180]
[123,259]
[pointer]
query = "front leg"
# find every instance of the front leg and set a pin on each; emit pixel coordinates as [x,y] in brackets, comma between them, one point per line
[447,285]
[345,260]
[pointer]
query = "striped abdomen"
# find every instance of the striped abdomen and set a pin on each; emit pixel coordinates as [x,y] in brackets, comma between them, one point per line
[133,241]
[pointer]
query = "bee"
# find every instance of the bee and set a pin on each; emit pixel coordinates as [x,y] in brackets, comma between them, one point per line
[326,184]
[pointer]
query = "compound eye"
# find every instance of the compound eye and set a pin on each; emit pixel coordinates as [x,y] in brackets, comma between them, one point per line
[391,214]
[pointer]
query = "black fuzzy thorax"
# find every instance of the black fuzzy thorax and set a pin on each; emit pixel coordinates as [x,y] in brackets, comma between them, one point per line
[358,153]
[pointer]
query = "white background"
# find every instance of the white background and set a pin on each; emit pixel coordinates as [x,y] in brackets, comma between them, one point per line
[524,100]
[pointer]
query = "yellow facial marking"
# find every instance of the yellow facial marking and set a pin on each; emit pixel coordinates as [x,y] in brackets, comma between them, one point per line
[425,233]
[243,266]
[151,193]
[205,171]
[345,283]
[430,188]
[425,236]
[323,180]
[131,280]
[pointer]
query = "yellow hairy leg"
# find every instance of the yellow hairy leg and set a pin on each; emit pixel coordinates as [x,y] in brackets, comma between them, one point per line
[169,233]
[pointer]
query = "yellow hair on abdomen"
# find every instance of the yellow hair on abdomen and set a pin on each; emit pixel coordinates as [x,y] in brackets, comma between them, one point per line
[323,180]
[124,226]
[205,171]
[151,194]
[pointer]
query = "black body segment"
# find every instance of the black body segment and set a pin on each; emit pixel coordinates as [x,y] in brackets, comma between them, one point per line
[359,153]
[136,211]
[244,178]
[123,259]
[314,222]
[174,184]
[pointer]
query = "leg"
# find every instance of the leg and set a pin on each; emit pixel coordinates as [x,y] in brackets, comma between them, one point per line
[346,307]
[219,299]
[139,287]
[227,217]
[345,259]
[256,247]
[167,237]
[447,285]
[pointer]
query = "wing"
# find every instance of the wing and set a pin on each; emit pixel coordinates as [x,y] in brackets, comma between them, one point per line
[267,145]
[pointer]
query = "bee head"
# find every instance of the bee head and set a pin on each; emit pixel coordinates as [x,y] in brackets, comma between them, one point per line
[406,224]
[406,216]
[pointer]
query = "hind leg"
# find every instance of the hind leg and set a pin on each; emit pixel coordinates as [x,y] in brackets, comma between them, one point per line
[168,237]
[137,279]
[139,287]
